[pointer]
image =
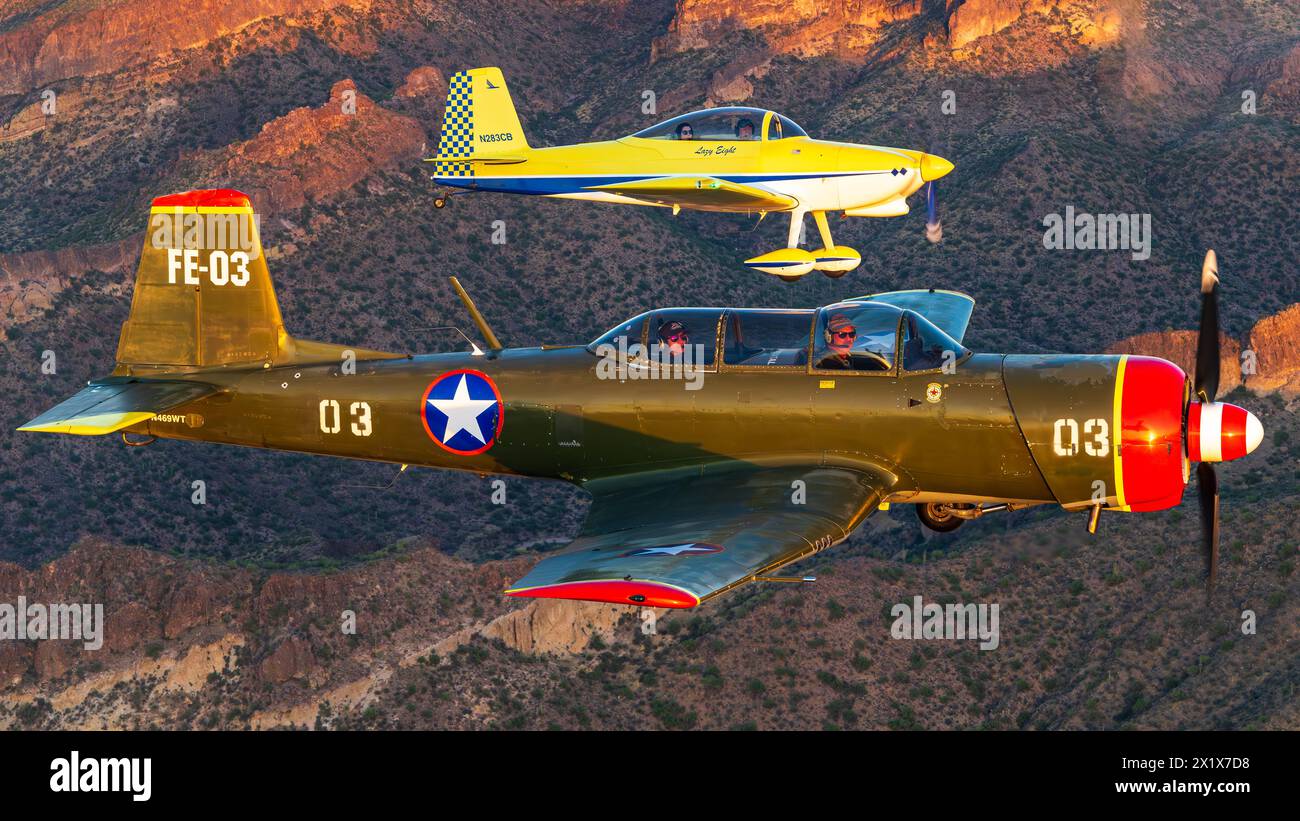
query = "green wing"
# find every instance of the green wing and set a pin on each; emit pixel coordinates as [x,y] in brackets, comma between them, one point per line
[677,543]
[949,310]
[107,405]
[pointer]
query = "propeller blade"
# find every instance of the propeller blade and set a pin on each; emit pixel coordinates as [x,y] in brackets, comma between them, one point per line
[1207,487]
[933,228]
[1206,383]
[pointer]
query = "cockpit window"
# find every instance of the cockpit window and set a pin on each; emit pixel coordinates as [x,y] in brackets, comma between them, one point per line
[925,346]
[856,336]
[683,335]
[782,127]
[713,124]
[617,340]
[672,336]
[767,338]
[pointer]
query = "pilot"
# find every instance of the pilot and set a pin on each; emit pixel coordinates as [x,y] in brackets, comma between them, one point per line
[840,334]
[685,132]
[745,129]
[674,337]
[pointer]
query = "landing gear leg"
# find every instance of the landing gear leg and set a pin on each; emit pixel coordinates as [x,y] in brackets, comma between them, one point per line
[824,229]
[833,260]
[796,228]
[792,240]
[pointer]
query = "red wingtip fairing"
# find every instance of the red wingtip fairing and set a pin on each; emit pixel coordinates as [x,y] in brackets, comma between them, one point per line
[637,593]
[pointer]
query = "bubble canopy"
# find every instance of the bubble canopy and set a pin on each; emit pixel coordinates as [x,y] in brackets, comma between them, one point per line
[723,124]
[852,335]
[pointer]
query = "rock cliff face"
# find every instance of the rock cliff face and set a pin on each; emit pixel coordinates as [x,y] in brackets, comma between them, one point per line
[293,658]
[1275,341]
[1267,364]
[33,118]
[1179,347]
[312,153]
[804,27]
[1287,85]
[980,18]
[554,626]
[309,154]
[30,281]
[175,627]
[169,623]
[845,27]
[70,40]
[425,81]
[1093,22]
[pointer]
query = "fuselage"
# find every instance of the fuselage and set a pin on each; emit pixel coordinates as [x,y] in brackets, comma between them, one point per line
[821,175]
[562,420]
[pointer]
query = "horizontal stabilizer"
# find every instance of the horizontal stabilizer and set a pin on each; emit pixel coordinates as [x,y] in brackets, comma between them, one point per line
[108,405]
[480,160]
[701,194]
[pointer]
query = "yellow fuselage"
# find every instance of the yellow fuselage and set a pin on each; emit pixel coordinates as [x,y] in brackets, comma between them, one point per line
[819,175]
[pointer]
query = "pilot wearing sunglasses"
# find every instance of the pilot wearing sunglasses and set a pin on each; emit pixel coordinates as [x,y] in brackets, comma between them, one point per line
[840,335]
[674,336]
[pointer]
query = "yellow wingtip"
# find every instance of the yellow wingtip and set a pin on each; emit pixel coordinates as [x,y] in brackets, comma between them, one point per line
[91,425]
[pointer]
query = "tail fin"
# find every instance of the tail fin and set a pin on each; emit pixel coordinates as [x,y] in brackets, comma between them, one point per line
[203,295]
[480,123]
[203,302]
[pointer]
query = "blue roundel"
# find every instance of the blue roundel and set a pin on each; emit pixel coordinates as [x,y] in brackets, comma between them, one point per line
[463,412]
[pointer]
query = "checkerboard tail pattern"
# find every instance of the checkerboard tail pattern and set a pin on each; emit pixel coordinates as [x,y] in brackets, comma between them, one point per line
[457,127]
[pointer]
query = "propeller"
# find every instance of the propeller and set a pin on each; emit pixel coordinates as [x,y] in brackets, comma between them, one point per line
[932,167]
[1207,343]
[1206,387]
[1207,488]
[933,228]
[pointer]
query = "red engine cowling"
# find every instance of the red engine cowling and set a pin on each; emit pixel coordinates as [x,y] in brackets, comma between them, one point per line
[1153,459]
[1151,396]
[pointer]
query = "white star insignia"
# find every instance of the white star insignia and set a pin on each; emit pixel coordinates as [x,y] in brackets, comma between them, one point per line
[673,550]
[462,412]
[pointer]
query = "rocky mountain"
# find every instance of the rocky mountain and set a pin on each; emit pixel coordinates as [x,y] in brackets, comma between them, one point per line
[1264,364]
[227,614]
[1094,636]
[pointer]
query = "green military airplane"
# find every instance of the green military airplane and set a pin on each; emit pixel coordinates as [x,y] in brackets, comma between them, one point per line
[719,444]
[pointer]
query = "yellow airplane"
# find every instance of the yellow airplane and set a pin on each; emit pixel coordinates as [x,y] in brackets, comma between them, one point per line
[736,160]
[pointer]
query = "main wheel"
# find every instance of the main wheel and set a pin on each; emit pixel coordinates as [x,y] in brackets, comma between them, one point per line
[938,516]
[439,202]
[786,278]
[834,274]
